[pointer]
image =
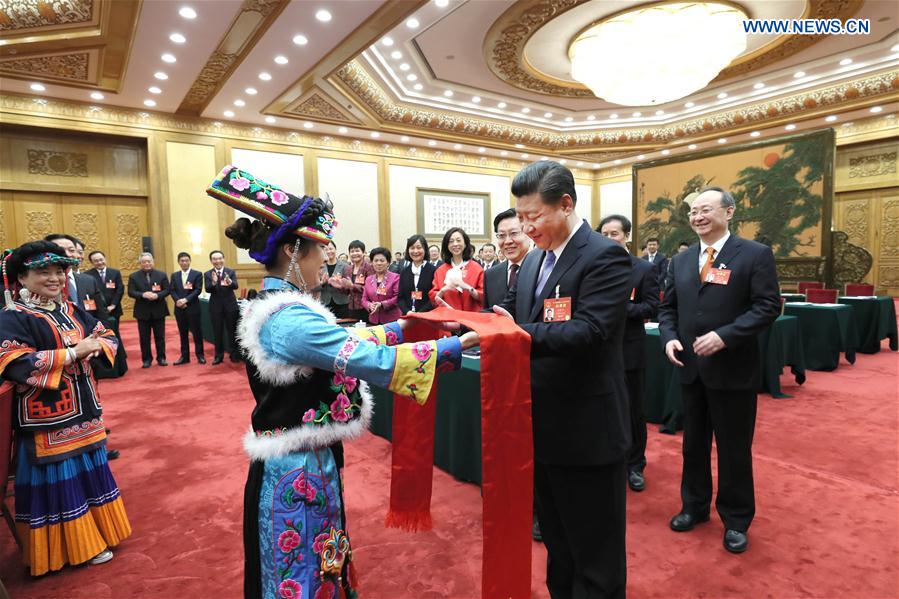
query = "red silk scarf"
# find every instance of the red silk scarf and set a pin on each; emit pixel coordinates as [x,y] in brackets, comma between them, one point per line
[506,448]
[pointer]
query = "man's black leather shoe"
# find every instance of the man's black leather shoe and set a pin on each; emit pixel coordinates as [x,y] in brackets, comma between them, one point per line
[217,360]
[636,481]
[736,541]
[684,521]
[181,361]
[235,358]
[145,365]
[162,362]
[201,359]
[112,454]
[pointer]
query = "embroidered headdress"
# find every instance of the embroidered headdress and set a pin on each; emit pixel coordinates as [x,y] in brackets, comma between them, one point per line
[278,209]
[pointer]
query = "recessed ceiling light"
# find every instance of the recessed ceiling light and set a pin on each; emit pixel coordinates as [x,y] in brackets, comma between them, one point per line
[568,119]
[476,99]
[343,130]
[97,96]
[482,150]
[265,76]
[503,153]
[375,134]
[665,152]
[308,125]
[691,147]
[895,48]
[519,146]
[300,39]
[412,23]
[596,165]
[418,87]
[150,103]
[404,139]
[790,127]
[831,118]
[579,164]
[799,74]
[405,66]
[177,38]
[160,75]
[251,91]
[457,146]
[432,143]
[169,58]
[281,59]
[722,140]
[411,77]
[525,110]
[689,105]
[758,85]
[845,62]
[323,15]
[876,109]
[660,112]
[38,87]
[396,54]
[187,12]
[270,119]
[613,116]
[154,90]
[562,161]
[641,157]
[617,162]
[755,134]
[228,113]
[591,117]
[637,114]
[501,105]
[547,115]
[525,155]
[722,95]
[239,103]
[387,41]
[544,158]
[441,3]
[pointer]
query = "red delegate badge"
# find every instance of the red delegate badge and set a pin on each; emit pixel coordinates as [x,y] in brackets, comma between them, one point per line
[416,295]
[718,276]
[155,287]
[110,284]
[557,309]
[90,305]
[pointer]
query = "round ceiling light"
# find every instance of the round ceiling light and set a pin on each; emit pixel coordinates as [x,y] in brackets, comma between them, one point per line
[659,57]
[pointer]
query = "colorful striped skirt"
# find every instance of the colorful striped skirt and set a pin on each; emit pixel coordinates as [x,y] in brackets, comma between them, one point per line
[67,512]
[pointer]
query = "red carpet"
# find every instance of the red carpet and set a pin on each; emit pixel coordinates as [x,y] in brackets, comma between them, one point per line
[826,480]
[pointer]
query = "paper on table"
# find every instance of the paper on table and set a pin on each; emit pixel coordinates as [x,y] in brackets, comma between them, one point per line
[650,325]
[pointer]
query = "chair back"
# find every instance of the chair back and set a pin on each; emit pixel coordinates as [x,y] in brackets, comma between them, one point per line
[806,285]
[822,296]
[859,289]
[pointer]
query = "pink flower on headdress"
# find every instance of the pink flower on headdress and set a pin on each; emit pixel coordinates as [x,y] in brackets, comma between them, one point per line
[239,183]
[309,416]
[261,195]
[279,198]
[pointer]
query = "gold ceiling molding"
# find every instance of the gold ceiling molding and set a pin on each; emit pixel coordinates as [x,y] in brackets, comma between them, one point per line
[27,15]
[249,25]
[90,51]
[316,104]
[355,80]
[505,42]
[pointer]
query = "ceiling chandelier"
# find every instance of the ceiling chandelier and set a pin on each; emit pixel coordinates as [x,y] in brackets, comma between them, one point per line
[657,53]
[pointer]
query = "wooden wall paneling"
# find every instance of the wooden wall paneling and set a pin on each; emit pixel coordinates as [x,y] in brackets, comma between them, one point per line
[886,258]
[36,214]
[7,221]
[127,222]
[85,218]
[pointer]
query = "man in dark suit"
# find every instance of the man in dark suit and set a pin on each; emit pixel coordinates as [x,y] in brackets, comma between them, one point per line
[83,291]
[149,287]
[186,285]
[514,245]
[719,295]
[111,286]
[220,283]
[643,306]
[654,256]
[578,390]
[489,259]
[398,264]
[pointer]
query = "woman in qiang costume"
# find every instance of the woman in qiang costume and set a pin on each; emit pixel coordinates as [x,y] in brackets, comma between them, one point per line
[68,508]
[306,374]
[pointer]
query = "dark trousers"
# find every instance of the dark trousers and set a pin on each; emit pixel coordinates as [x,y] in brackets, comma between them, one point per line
[157,326]
[636,391]
[730,416]
[582,518]
[224,323]
[189,323]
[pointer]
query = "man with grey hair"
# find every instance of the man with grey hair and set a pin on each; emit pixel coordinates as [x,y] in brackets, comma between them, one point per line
[149,287]
[719,295]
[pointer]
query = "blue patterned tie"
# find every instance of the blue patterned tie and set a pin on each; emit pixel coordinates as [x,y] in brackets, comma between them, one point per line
[73,291]
[548,264]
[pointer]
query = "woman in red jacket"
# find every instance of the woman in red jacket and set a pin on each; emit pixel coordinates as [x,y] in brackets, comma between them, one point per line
[459,281]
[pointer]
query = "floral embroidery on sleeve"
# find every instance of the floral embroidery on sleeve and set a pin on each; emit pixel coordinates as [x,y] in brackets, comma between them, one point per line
[415,371]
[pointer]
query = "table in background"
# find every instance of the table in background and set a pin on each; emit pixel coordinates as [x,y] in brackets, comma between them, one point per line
[793,297]
[827,331]
[875,319]
[780,345]
[206,325]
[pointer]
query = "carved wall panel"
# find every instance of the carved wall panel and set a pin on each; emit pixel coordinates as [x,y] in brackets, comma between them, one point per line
[18,15]
[84,227]
[870,218]
[888,255]
[40,224]
[868,166]
[60,164]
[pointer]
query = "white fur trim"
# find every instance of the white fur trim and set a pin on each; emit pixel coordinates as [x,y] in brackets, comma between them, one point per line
[305,437]
[254,315]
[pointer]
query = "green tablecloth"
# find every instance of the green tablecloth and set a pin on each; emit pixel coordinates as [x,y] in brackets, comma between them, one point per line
[827,330]
[793,297]
[206,325]
[780,345]
[457,438]
[875,319]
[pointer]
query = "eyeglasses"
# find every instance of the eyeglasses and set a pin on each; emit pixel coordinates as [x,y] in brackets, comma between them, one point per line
[513,235]
[704,212]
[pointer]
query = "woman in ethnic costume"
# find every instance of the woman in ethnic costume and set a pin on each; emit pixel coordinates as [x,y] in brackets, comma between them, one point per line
[305,373]
[68,508]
